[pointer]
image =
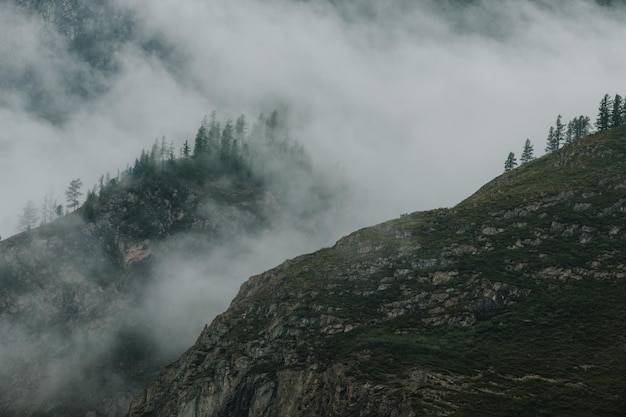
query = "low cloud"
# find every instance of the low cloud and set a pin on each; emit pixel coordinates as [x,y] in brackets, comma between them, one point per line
[419,108]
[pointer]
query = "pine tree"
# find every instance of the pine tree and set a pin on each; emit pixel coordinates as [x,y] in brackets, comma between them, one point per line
[552,144]
[569,133]
[559,132]
[603,119]
[186,150]
[616,113]
[527,153]
[510,162]
[73,192]
[214,134]
[226,144]
[200,146]
[581,126]
[577,128]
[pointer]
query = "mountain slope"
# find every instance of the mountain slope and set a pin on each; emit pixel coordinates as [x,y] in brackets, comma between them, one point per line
[93,304]
[510,303]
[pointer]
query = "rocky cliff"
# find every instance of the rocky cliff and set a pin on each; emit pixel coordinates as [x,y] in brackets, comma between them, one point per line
[510,303]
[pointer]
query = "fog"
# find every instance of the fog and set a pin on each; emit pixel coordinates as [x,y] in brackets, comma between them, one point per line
[416,103]
[419,108]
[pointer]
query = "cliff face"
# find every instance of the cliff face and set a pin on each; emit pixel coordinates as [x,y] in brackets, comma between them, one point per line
[510,303]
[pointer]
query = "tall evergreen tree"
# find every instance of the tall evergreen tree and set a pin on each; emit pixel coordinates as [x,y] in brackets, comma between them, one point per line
[226,144]
[581,127]
[603,120]
[552,145]
[73,192]
[200,143]
[559,132]
[617,112]
[510,162]
[186,150]
[569,133]
[577,128]
[527,153]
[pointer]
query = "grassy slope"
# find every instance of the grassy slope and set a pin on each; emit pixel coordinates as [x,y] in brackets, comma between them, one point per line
[562,349]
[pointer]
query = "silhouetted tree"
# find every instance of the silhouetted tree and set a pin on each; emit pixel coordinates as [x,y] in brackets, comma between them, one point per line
[200,146]
[73,192]
[214,134]
[617,112]
[552,144]
[577,128]
[186,150]
[559,132]
[510,162]
[527,153]
[604,113]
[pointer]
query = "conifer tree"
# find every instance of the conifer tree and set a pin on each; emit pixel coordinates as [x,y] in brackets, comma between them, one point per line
[559,132]
[226,144]
[617,112]
[552,144]
[581,126]
[603,119]
[510,162]
[527,153]
[186,150]
[569,133]
[73,192]
[200,144]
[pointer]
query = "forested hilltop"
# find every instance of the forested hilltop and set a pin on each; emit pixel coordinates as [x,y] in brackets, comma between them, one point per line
[97,299]
[261,160]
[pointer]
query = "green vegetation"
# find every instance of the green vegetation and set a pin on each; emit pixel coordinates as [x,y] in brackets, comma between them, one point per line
[550,231]
[163,194]
[611,114]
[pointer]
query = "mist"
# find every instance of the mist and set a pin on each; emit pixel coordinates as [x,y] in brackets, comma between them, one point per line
[416,104]
[419,108]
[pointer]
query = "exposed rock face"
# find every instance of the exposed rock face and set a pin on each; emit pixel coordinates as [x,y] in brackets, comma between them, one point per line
[508,304]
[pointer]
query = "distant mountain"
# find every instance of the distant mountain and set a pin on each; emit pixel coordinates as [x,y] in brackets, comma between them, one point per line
[85,322]
[81,42]
[510,303]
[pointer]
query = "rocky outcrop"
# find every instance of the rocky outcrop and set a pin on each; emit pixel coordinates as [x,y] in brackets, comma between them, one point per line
[502,304]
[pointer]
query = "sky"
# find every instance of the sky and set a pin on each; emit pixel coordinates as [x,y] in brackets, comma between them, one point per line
[416,103]
[418,108]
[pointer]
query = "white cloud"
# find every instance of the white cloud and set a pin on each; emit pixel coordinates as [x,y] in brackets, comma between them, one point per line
[420,110]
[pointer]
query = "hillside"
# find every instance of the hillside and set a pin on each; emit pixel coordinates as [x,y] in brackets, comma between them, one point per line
[510,303]
[94,303]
